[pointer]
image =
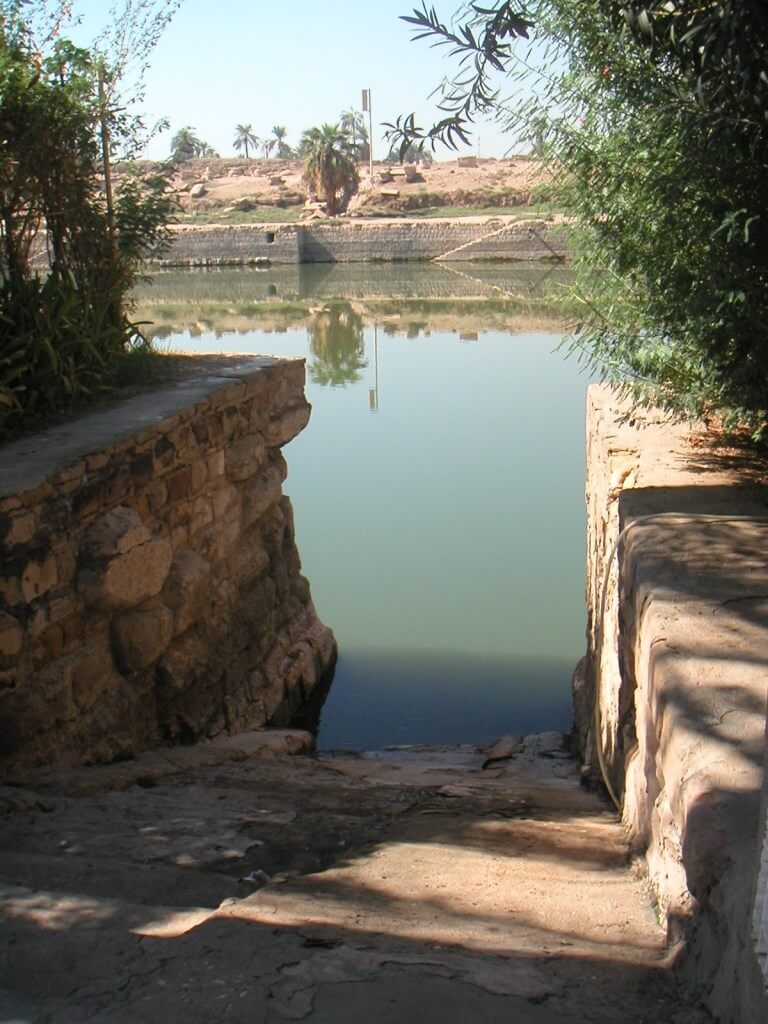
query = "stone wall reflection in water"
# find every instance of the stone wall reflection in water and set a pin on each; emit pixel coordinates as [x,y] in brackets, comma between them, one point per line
[443,535]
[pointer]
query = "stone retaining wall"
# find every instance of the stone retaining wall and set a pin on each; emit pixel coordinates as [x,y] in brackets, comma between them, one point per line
[678,665]
[150,586]
[358,241]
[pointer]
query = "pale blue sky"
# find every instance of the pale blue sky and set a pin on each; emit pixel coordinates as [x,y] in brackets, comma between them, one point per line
[297,64]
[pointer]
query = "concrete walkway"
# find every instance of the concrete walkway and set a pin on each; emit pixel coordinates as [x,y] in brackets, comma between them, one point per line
[216,885]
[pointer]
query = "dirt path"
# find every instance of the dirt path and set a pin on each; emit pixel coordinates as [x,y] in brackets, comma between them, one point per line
[407,886]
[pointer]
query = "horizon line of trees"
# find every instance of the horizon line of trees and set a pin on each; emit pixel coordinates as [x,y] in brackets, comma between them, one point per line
[186,144]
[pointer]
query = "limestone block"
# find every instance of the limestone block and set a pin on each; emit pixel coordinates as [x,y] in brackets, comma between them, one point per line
[11,638]
[157,495]
[66,563]
[122,564]
[178,484]
[38,578]
[266,743]
[215,465]
[91,672]
[128,579]
[260,495]
[185,589]
[140,636]
[224,499]
[245,457]
[21,529]
[115,533]
[181,663]
[198,475]
[164,454]
[10,590]
[288,425]
[202,515]
[62,604]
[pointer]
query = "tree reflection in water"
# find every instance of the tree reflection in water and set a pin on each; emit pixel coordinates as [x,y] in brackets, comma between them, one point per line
[337,344]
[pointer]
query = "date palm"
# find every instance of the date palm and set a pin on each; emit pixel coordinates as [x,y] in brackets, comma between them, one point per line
[284,151]
[329,166]
[244,138]
[337,343]
[353,123]
[185,144]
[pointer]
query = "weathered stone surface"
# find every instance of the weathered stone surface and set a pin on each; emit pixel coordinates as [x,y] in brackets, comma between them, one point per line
[38,578]
[20,530]
[140,636]
[11,638]
[483,910]
[287,425]
[122,563]
[185,589]
[452,239]
[127,579]
[108,643]
[677,668]
[115,533]
[246,457]
[90,671]
[260,495]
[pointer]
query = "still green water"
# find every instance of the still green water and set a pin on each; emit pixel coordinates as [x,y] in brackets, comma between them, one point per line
[438,496]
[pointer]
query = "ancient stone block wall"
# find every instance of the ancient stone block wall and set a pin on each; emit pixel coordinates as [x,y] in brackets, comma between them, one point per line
[677,669]
[150,586]
[358,241]
[237,244]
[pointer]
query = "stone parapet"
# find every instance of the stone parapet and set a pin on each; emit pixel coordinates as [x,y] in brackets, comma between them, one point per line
[677,670]
[460,239]
[150,586]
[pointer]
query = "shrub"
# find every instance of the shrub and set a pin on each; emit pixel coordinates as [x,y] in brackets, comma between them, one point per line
[62,337]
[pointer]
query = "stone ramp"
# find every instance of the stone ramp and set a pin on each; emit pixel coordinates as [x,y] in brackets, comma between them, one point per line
[392,888]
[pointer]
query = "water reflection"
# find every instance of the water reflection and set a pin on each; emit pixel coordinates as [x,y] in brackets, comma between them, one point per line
[443,537]
[337,345]
[403,299]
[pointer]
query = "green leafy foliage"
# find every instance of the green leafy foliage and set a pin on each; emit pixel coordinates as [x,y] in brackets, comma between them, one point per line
[481,46]
[329,166]
[655,115]
[244,139]
[337,344]
[353,123]
[70,245]
[185,145]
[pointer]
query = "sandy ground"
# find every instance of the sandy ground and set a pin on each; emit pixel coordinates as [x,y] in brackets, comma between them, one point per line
[279,183]
[214,884]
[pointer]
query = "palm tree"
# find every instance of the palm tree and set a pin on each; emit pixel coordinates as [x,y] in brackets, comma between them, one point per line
[244,138]
[284,151]
[353,123]
[185,144]
[267,146]
[337,342]
[329,166]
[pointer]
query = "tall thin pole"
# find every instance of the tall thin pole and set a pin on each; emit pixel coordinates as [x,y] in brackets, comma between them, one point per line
[368,106]
[370,134]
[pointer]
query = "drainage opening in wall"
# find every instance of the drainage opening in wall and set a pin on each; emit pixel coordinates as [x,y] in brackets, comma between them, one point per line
[270,237]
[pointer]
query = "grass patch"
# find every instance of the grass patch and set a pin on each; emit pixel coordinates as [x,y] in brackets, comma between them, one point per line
[535,212]
[259,215]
